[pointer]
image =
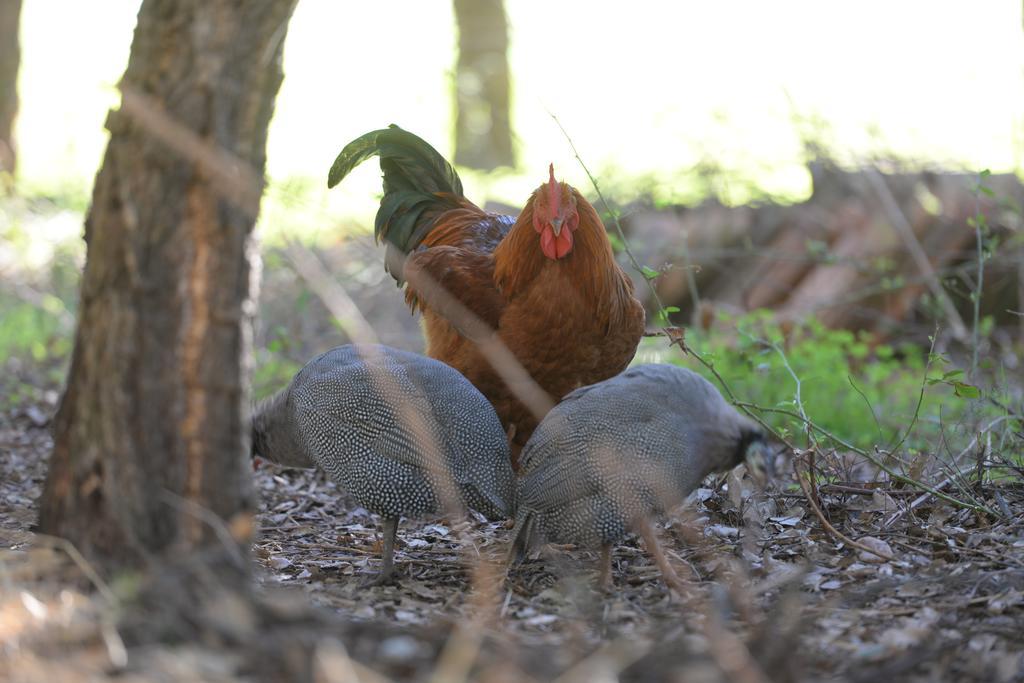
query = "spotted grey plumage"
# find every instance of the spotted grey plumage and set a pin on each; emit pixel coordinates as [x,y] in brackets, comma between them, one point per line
[403,434]
[615,453]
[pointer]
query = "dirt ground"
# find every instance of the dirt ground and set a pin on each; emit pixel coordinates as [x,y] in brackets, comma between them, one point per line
[771,596]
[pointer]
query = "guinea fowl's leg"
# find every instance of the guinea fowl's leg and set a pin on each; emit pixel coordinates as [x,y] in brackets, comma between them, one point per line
[643,526]
[513,448]
[387,569]
[604,578]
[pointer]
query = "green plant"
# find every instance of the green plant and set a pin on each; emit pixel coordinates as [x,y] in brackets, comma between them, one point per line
[274,369]
[865,393]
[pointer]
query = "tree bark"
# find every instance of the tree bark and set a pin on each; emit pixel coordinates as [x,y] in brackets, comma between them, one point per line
[483,132]
[150,446]
[10,58]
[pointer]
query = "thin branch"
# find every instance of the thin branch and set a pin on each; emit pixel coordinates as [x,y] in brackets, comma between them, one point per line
[488,342]
[896,476]
[343,309]
[825,523]
[906,233]
[83,564]
[615,219]
[691,279]
[976,294]
[237,181]
[871,408]
[211,519]
[920,395]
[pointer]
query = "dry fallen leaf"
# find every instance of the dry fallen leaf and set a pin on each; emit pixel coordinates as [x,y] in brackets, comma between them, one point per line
[876,544]
[911,630]
[279,563]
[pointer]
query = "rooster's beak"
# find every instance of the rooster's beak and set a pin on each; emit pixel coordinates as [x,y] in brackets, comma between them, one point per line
[556,226]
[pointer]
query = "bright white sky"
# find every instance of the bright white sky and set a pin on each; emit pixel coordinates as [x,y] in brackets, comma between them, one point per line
[645,92]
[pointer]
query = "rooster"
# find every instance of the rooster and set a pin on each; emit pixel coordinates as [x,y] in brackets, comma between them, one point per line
[545,282]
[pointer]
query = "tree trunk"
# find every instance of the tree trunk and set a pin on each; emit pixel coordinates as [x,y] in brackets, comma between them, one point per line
[483,133]
[10,56]
[151,438]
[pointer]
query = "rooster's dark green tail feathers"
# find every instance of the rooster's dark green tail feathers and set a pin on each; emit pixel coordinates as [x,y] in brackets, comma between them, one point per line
[416,165]
[415,176]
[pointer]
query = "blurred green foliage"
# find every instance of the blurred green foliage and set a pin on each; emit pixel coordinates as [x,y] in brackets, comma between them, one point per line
[27,330]
[274,366]
[40,258]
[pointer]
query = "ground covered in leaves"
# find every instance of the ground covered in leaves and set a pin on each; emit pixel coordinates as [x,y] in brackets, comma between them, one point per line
[771,595]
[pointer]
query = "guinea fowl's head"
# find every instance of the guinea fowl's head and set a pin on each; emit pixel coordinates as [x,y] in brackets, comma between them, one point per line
[555,217]
[274,436]
[259,443]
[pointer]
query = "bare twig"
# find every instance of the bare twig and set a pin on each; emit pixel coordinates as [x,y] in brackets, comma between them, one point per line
[809,496]
[978,221]
[691,278]
[236,179]
[463,645]
[920,394]
[332,664]
[871,408]
[906,234]
[491,347]
[917,502]
[952,478]
[607,662]
[83,564]
[211,519]
[615,220]
[343,309]
[730,653]
[896,476]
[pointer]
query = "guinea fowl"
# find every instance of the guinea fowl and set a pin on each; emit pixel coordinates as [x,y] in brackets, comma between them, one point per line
[403,434]
[615,453]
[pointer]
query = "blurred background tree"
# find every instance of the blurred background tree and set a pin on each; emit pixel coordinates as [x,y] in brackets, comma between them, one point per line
[10,57]
[483,126]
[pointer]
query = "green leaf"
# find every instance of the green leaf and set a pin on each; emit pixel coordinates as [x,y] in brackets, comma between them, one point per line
[964,390]
[649,273]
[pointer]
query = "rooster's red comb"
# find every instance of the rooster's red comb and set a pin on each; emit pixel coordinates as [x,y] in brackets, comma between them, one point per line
[554,198]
